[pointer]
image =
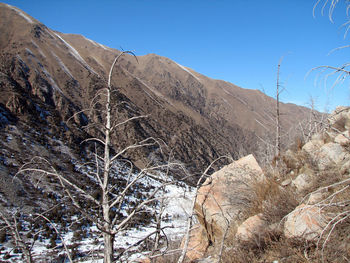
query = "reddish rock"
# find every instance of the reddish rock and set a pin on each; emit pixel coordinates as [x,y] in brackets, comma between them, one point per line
[253,226]
[224,197]
[306,221]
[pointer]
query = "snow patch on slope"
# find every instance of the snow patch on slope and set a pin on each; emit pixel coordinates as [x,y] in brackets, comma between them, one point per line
[48,31]
[34,43]
[150,88]
[53,82]
[38,48]
[97,44]
[30,52]
[235,96]
[154,91]
[226,91]
[62,65]
[227,103]
[76,54]
[185,69]
[46,73]
[19,12]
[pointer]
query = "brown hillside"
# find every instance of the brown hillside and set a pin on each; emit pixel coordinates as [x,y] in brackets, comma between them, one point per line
[199,118]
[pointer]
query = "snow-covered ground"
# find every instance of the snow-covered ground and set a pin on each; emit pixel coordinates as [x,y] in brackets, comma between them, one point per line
[176,200]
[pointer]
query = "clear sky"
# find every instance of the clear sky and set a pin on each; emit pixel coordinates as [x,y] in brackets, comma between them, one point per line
[240,41]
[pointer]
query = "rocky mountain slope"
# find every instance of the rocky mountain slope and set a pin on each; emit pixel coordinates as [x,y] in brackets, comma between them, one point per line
[47,76]
[48,79]
[296,212]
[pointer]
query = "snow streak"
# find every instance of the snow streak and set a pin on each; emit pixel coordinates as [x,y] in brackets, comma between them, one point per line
[96,44]
[185,69]
[38,48]
[21,13]
[63,66]
[76,54]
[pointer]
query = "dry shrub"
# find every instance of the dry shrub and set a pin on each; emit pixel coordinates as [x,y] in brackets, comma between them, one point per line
[272,247]
[337,247]
[334,242]
[263,190]
[297,145]
[172,254]
[339,124]
[293,161]
[271,200]
[324,179]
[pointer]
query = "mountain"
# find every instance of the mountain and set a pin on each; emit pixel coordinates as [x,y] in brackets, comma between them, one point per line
[48,80]
[47,76]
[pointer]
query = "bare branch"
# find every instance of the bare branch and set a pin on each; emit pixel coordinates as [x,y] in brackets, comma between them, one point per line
[128,120]
[141,144]
[58,233]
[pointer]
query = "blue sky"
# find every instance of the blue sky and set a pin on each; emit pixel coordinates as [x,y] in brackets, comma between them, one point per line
[240,41]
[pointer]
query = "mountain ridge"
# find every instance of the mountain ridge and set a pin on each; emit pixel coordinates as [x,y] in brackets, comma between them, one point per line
[193,114]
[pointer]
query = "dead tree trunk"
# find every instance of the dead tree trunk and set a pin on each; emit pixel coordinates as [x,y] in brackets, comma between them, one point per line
[278,125]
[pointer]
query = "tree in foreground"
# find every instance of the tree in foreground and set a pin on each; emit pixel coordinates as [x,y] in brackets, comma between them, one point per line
[104,202]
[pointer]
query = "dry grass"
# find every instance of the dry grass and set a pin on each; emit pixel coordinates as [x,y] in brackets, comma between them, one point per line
[171,255]
[274,246]
[271,248]
[271,200]
[275,202]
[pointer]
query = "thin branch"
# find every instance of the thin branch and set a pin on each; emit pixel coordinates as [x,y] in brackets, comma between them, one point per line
[126,121]
[141,144]
[57,232]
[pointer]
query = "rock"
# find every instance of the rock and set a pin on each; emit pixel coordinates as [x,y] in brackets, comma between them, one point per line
[343,139]
[286,182]
[325,155]
[314,198]
[224,197]
[312,146]
[250,228]
[345,169]
[142,260]
[302,181]
[330,154]
[305,221]
[317,137]
[340,118]
[198,243]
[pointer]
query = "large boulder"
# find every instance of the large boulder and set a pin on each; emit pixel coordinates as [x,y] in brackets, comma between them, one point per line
[224,197]
[306,221]
[331,154]
[326,155]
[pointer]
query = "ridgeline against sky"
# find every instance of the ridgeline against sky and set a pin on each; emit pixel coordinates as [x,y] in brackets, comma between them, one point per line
[237,41]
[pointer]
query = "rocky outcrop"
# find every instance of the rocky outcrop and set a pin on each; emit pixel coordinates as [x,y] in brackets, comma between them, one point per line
[315,175]
[224,198]
[330,148]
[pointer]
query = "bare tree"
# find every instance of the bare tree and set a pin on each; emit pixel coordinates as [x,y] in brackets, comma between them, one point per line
[12,225]
[109,204]
[278,124]
[340,72]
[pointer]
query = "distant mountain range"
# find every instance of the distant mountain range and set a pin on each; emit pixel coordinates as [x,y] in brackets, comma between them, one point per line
[47,76]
